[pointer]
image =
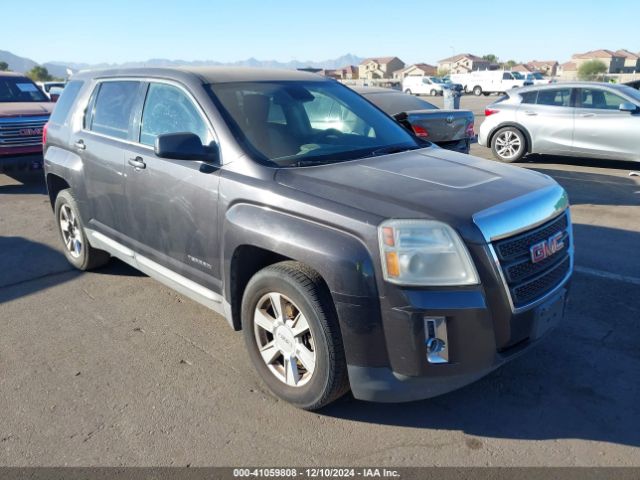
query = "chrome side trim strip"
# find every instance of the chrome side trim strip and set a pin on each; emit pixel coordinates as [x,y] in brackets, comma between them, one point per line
[522,213]
[189,288]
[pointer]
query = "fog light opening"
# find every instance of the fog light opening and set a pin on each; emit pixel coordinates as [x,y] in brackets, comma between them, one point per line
[436,341]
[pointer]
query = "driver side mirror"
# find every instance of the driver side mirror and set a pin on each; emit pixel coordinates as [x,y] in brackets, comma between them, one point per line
[181,146]
[628,107]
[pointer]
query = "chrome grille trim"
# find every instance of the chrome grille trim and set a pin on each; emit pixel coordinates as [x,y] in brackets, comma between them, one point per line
[10,128]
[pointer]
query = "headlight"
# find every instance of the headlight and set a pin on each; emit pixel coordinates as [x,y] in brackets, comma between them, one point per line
[425,253]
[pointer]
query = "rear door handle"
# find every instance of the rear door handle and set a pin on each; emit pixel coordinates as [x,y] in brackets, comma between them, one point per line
[137,163]
[585,115]
[79,144]
[530,113]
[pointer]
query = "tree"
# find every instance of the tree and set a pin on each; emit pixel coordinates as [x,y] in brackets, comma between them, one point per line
[591,69]
[443,72]
[510,64]
[491,58]
[4,66]
[39,74]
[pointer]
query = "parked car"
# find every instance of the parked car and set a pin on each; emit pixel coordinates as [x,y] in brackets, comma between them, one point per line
[52,89]
[419,85]
[450,129]
[349,258]
[24,110]
[599,120]
[536,78]
[490,81]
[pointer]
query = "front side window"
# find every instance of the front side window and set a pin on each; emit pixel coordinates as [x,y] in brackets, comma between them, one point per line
[293,123]
[557,97]
[168,109]
[600,99]
[113,108]
[20,90]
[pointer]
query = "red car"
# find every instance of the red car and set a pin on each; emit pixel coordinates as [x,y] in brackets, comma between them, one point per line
[24,110]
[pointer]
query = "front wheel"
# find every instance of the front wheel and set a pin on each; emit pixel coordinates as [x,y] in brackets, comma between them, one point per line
[292,334]
[71,230]
[434,93]
[509,145]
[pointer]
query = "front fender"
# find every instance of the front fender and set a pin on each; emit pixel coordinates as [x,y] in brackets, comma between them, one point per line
[340,258]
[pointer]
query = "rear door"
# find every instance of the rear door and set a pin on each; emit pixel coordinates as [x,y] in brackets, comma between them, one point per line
[548,115]
[173,204]
[601,129]
[101,141]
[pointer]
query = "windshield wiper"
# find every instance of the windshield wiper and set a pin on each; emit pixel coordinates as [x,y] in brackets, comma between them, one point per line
[391,149]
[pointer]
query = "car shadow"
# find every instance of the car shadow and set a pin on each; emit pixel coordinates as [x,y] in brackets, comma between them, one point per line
[591,187]
[579,382]
[30,183]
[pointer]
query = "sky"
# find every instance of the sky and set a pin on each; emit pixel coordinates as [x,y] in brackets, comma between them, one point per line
[116,31]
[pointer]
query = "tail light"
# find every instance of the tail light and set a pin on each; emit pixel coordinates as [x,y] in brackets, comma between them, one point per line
[490,111]
[469,130]
[420,131]
[44,133]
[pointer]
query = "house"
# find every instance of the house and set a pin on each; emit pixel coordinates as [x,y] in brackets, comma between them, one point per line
[615,63]
[568,70]
[631,61]
[463,63]
[379,68]
[350,72]
[522,68]
[417,69]
[547,67]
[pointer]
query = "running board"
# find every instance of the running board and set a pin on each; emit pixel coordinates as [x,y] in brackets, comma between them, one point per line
[189,288]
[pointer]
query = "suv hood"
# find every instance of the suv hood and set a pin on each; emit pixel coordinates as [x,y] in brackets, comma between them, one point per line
[429,183]
[25,109]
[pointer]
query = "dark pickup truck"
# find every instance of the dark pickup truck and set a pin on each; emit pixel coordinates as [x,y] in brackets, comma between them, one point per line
[350,253]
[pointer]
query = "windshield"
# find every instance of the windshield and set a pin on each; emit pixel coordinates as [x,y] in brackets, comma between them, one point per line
[20,89]
[537,76]
[517,75]
[292,123]
[436,80]
[631,92]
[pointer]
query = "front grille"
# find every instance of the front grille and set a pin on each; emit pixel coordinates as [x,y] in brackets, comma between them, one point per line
[528,281]
[22,131]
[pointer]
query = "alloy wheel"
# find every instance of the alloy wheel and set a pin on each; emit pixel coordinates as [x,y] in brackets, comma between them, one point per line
[284,339]
[508,145]
[71,235]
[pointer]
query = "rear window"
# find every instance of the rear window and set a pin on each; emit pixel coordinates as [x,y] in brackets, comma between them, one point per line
[64,103]
[20,90]
[113,108]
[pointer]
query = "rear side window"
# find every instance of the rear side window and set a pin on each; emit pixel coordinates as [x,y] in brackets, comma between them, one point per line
[63,106]
[113,108]
[529,97]
[557,97]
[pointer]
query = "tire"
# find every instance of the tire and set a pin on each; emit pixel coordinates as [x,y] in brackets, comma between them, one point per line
[509,145]
[477,90]
[74,239]
[434,93]
[407,91]
[317,373]
[486,94]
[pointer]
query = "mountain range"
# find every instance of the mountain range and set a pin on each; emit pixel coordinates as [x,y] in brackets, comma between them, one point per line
[59,69]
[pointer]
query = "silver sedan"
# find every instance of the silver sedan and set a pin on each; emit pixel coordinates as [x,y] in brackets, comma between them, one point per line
[586,119]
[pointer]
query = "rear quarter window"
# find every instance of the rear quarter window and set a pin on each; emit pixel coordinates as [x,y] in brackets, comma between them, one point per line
[65,102]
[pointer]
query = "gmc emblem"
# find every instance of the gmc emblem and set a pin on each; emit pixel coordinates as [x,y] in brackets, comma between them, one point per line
[30,132]
[546,248]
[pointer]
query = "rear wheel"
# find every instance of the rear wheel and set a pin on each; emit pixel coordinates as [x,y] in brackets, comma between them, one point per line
[292,335]
[407,91]
[71,229]
[509,145]
[477,90]
[434,93]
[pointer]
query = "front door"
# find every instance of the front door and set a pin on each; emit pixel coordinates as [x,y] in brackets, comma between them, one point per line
[602,130]
[173,204]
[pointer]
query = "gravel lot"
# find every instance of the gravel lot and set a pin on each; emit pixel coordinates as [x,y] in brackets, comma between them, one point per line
[112,368]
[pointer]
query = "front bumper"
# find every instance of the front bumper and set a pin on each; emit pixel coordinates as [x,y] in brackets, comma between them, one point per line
[473,342]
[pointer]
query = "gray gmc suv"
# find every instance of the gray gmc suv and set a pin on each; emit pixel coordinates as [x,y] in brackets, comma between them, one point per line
[351,253]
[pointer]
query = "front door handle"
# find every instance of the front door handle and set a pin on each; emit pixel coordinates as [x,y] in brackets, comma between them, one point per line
[79,144]
[137,163]
[586,115]
[530,113]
